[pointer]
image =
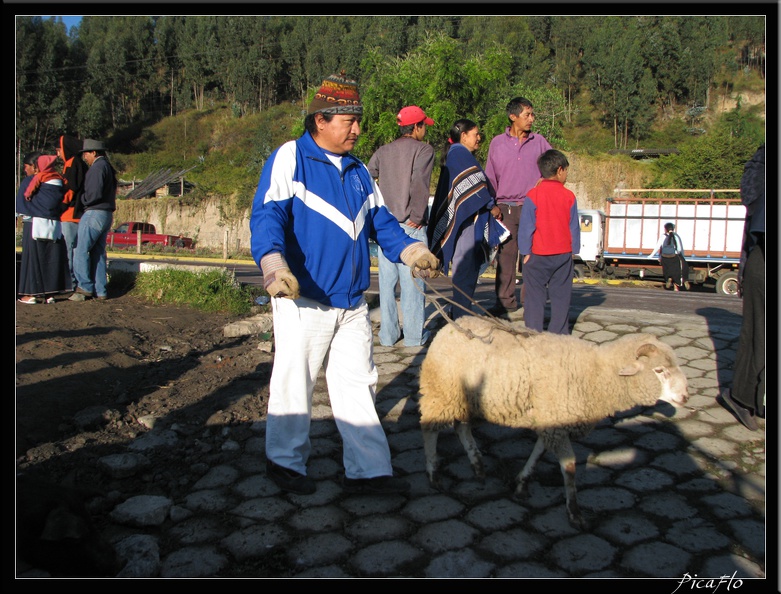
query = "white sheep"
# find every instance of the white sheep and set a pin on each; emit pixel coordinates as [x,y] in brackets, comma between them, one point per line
[558,386]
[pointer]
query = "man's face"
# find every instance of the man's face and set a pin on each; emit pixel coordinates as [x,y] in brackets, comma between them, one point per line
[420,131]
[340,134]
[88,157]
[523,121]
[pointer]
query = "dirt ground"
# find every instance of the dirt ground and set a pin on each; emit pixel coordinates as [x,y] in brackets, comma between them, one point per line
[89,376]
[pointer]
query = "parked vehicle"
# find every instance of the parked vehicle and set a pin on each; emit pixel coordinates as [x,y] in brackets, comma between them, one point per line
[134,233]
[616,243]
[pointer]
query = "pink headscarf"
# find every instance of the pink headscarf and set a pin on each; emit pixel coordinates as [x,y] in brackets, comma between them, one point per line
[45,173]
[46,163]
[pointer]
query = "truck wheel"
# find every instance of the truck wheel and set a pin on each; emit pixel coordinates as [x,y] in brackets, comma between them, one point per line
[578,272]
[727,283]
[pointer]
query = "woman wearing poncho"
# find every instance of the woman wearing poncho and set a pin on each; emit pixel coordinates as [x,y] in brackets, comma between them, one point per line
[44,266]
[464,227]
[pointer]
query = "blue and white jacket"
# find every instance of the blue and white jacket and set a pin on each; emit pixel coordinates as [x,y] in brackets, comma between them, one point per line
[320,220]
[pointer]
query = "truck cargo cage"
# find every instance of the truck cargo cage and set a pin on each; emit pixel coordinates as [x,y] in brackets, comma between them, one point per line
[709,222]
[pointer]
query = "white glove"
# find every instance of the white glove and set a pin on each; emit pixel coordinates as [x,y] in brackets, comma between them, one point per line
[424,264]
[284,285]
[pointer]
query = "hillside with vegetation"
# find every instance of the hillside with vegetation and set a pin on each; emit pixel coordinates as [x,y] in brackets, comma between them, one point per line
[216,95]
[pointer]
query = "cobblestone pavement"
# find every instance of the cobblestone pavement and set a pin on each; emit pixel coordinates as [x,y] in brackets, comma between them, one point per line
[668,493]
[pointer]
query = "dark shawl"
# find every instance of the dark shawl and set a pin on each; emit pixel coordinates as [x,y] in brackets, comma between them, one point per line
[461,197]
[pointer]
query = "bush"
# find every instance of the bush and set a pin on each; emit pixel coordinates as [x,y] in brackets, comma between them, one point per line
[211,291]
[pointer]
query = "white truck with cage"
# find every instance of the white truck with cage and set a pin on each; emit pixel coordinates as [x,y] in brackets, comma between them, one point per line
[616,243]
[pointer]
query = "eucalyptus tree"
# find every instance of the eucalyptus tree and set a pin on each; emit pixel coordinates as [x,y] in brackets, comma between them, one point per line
[247,49]
[619,83]
[748,34]
[39,92]
[703,37]
[120,65]
[199,53]
[527,54]
[167,62]
[566,38]
[42,75]
[663,54]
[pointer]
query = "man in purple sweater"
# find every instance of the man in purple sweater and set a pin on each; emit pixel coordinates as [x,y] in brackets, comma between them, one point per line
[512,171]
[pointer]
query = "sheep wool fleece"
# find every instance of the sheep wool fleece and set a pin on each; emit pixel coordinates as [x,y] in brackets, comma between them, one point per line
[540,380]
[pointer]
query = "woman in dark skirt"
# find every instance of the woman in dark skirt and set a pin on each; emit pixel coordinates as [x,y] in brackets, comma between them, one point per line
[44,268]
[674,265]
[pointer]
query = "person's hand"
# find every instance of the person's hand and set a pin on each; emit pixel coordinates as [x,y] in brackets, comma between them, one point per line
[423,263]
[284,285]
[426,266]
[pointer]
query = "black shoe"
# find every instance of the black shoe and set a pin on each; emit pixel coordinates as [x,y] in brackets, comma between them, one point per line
[379,485]
[290,480]
[743,414]
[499,312]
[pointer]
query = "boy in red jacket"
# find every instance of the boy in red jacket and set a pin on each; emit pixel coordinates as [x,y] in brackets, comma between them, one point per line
[548,236]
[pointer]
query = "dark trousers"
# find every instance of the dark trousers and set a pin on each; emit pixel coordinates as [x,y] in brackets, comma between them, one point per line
[748,378]
[468,257]
[507,259]
[548,277]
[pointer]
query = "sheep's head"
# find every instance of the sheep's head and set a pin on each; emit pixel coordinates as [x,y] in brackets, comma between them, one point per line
[660,358]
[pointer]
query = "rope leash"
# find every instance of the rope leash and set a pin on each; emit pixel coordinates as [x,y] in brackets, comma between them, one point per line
[495,322]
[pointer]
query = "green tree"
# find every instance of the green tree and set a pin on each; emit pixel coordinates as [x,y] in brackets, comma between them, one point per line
[748,34]
[199,53]
[566,38]
[662,54]
[41,93]
[621,87]
[713,160]
[120,66]
[702,37]
[528,56]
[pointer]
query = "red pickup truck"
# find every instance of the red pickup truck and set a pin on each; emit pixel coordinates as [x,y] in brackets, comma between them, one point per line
[127,234]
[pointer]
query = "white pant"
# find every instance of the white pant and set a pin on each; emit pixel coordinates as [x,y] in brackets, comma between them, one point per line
[308,335]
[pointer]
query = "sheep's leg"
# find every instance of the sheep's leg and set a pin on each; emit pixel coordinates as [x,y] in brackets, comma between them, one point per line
[430,448]
[562,446]
[528,468]
[464,432]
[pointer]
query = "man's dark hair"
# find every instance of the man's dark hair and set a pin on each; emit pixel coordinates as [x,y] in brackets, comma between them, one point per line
[517,105]
[406,129]
[309,121]
[32,158]
[550,161]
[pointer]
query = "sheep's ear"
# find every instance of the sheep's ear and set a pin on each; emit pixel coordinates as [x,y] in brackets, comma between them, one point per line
[647,350]
[631,369]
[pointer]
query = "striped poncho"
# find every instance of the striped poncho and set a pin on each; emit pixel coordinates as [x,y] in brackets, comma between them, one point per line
[462,197]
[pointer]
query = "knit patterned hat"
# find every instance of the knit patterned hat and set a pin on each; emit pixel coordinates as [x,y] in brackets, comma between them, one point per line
[337,95]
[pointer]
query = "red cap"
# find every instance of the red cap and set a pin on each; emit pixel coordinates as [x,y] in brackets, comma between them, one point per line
[413,115]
